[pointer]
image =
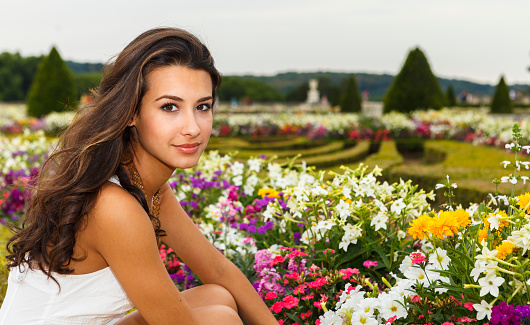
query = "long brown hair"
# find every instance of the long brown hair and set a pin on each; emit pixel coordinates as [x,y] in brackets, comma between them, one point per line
[93,148]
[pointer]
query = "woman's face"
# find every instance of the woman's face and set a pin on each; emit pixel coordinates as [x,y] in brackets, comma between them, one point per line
[175,120]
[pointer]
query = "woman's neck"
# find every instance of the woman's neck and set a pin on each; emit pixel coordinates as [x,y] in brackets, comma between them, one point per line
[153,172]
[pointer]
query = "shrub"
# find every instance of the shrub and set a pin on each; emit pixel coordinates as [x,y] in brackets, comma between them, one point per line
[53,87]
[351,99]
[415,87]
[501,102]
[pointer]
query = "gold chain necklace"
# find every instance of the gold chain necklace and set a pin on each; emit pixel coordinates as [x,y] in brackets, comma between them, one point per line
[137,181]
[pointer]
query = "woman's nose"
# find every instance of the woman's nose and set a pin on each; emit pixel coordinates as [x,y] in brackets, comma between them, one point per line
[190,126]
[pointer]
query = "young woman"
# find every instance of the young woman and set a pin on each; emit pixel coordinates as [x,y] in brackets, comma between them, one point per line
[87,252]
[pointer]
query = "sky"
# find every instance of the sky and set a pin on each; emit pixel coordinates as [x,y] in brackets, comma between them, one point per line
[475,40]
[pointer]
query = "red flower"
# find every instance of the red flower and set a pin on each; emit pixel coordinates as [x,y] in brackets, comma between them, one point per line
[305,315]
[277,259]
[271,295]
[300,289]
[465,319]
[293,276]
[277,307]
[290,302]
[469,305]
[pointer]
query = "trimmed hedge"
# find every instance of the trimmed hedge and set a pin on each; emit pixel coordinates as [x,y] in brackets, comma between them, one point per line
[353,154]
[317,150]
[386,158]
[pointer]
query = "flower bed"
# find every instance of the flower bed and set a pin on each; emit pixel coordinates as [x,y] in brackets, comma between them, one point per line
[352,250]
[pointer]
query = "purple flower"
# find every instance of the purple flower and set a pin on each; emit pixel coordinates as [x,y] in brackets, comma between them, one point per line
[252,229]
[504,314]
[523,311]
[262,229]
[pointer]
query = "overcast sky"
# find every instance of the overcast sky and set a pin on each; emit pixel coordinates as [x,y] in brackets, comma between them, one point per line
[473,40]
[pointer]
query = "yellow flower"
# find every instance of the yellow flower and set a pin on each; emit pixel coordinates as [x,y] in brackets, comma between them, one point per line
[462,217]
[504,249]
[444,224]
[269,192]
[420,226]
[524,199]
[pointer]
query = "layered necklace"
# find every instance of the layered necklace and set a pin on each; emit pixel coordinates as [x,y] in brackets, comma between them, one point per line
[137,181]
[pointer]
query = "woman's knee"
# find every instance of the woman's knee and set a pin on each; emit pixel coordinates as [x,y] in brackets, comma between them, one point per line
[210,294]
[218,314]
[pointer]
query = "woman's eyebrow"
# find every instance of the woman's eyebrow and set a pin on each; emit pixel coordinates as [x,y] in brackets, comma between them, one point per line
[178,99]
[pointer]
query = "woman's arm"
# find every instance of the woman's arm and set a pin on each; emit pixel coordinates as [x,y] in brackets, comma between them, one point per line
[123,234]
[207,262]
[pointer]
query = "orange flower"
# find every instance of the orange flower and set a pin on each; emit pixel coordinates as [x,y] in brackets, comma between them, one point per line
[444,224]
[504,249]
[420,226]
[524,200]
[462,217]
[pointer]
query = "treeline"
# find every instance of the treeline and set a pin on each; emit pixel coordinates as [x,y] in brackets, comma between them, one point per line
[17,74]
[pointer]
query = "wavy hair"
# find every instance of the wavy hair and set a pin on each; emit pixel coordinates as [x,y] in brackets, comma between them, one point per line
[93,149]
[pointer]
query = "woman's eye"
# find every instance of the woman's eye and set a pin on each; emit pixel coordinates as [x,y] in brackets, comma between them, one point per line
[204,107]
[169,107]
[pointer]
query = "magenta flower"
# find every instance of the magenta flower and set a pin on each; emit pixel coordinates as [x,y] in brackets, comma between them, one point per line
[370,263]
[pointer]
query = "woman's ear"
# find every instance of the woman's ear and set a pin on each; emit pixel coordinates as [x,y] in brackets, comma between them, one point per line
[132,122]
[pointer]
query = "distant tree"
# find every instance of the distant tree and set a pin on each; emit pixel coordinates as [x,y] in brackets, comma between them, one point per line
[351,99]
[16,75]
[299,93]
[251,88]
[501,103]
[415,87]
[85,82]
[53,88]
[330,90]
[450,96]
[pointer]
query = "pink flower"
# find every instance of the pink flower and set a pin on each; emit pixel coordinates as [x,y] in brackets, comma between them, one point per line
[348,272]
[391,319]
[329,250]
[271,295]
[415,298]
[277,307]
[417,258]
[370,263]
[314,268]
[469,305]
[448,323]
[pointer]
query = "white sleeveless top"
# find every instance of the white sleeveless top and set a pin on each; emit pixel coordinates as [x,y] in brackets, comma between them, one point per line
[94,298]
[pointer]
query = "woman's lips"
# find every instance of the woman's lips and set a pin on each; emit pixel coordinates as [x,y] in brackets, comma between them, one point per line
[188,147]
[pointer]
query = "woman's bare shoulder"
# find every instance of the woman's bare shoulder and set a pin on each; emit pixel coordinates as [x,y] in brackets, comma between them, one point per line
[116,209]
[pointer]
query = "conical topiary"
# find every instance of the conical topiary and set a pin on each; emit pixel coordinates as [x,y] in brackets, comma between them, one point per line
[501,103]
[450,96]
[53,87]
[415,87]
[351,99]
